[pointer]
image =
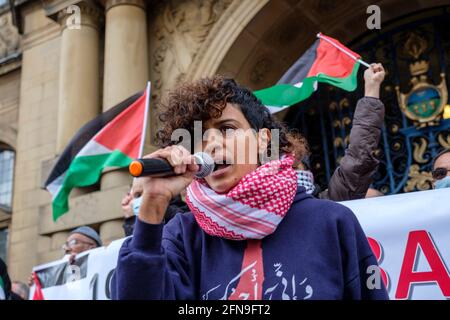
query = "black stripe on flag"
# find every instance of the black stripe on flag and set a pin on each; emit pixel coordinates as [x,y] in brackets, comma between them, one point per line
[299,70]
[59,274]
[85,134]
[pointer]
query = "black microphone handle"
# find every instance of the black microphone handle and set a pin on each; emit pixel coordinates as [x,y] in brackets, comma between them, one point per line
[156,167]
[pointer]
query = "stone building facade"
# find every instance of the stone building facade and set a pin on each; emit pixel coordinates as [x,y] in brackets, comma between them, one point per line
[62,62]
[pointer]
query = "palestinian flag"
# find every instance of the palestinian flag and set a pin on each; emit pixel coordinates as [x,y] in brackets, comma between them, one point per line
[52,280]
[38,294]
[2,290]
[327,61]
[5,282]
[113,139]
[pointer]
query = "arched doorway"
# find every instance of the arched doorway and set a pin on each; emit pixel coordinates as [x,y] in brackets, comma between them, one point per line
[416,51]
[282,30]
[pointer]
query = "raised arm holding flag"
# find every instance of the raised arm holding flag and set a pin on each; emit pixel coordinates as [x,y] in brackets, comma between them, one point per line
[329,61]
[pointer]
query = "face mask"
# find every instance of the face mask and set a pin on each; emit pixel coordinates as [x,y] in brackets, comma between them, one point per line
[443,183]
[136,205]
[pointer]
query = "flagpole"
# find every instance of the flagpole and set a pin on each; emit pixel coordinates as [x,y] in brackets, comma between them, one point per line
[319,35]
[144,125]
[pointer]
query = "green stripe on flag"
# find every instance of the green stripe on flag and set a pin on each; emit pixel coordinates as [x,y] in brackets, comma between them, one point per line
[348,83]
[2,289]
[286,94]
[85,171]
[282,95]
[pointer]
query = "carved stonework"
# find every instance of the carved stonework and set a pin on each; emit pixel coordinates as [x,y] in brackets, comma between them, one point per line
[91,13]
[181,28]
[425,101]
[111,3]
[9,38]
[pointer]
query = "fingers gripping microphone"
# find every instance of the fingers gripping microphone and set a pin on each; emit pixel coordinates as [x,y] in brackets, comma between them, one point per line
[162,168]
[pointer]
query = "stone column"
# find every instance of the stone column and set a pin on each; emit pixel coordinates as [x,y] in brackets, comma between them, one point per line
[125,73]
[126,62]
[79,81]
[57,241]
[111,230]
[54,251]
[126,53]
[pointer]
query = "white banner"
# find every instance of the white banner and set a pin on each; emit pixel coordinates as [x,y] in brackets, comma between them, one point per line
[89,278]
[409,234]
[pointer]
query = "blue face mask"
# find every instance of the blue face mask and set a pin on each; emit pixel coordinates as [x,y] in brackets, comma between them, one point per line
[443,183]
[136,205]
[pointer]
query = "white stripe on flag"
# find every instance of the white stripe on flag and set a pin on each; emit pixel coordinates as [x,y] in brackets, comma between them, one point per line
[56,185]
[275,109]
[93,148]
[90,149]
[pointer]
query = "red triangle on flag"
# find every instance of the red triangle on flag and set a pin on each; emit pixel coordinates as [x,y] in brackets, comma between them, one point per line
[38,294]
[125,131]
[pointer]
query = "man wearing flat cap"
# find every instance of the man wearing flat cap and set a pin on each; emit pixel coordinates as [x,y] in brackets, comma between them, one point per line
[79,240]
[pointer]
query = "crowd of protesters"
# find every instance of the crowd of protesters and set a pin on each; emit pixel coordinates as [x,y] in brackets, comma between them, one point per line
[177,274]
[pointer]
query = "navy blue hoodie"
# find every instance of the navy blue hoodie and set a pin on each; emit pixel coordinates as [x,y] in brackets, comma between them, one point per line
[318,251]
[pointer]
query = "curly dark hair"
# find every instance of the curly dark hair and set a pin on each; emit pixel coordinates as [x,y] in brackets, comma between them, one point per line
[207,98]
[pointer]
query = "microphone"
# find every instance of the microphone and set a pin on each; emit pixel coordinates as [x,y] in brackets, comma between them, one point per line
[156,167]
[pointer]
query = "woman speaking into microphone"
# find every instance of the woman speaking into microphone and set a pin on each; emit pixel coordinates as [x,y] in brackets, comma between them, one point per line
[251,232]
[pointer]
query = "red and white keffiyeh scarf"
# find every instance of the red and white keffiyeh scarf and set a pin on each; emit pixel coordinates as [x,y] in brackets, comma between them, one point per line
[252,209]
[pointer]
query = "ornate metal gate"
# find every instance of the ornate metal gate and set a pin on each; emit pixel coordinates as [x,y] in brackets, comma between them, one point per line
[416,53]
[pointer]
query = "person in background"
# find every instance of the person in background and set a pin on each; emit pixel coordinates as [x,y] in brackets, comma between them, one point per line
[81,239]
[352,178]
[19,291]
[5,282]
[373,193]
[441,170]
[131,203]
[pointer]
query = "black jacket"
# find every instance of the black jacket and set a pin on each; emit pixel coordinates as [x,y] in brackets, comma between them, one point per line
[5,281]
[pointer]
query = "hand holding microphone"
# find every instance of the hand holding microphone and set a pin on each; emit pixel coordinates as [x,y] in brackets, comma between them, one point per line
[156,167]
[165,173]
